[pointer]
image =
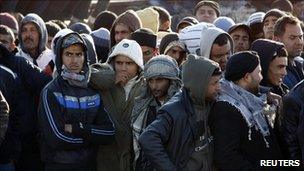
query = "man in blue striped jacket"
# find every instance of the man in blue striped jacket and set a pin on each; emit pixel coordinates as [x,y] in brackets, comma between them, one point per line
[72,117]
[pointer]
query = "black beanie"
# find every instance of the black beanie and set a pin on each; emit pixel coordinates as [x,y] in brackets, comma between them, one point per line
[104,19]
[240,64]
[144,37]
[166,40]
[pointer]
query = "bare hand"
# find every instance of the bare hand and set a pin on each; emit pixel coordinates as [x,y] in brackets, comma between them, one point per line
[122,78]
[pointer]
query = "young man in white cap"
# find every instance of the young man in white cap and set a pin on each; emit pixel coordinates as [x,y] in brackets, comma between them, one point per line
[119,80]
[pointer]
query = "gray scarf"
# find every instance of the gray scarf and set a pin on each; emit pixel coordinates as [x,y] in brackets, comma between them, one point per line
[79,80]
[250,106]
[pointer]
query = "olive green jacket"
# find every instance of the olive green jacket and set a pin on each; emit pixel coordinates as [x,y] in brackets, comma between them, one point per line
[119,155]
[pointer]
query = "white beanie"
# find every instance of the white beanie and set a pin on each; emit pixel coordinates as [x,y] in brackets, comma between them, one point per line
[130,49]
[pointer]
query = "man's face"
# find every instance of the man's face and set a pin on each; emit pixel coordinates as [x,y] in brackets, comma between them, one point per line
[240,39]
[7,41]
[220,54]
[206,14]
[73,58]
[292,39]
[177,53]
[121,31]
[159,87]
[30,36]
[254,80]
[49,42]
[125,65]
[269,26]
[213,88]
[148,53]
[277,70]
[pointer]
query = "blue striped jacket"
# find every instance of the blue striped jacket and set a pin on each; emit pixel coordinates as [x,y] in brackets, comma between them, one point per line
[62,104]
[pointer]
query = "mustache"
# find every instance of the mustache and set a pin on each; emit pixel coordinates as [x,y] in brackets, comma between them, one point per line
[74,65]
[28,39]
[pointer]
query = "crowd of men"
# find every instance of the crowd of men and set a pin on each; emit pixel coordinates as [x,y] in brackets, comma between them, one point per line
[128,93]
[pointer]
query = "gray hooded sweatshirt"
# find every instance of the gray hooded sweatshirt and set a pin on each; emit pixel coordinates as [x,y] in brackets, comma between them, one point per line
[207,39]
[198,67]
[45,55]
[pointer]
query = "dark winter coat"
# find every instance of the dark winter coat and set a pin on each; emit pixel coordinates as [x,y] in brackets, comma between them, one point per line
[232,148]
[293,123]
[118,155]
[169,141]
[10,147]
[32,80]
[81,107]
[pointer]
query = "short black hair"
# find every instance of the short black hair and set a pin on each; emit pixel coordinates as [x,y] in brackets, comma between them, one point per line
[221,39]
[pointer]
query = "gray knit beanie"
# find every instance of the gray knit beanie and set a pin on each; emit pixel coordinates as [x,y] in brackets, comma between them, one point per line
[162,66]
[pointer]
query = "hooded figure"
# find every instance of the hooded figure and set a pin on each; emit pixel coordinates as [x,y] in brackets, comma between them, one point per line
[101,39]
[207,40]
[269,50]
[191,36]
[44,54]
[128,18]
[179,138]
[119,100]
[92,56]
[72,117]
[146,104]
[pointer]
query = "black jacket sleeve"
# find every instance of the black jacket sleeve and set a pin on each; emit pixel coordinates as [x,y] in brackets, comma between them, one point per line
[102,131]
[11,145]
[226,128]
[34,79]
[52,124]
[153,139]
[291,112]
